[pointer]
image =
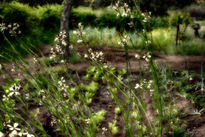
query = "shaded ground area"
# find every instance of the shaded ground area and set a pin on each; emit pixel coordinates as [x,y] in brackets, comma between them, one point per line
[102,100]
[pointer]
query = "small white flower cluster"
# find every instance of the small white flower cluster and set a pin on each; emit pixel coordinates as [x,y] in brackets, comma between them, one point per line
[125,9]
[79,33]
[13,68]
[137,56]
[27,96]
[87,121]
[146,85]
[53,54]
[124,41]
[58,49]
[62,84]
[13,29]
[138,86]
[116,6]
[53,121]
[15,131]
[35,60]
[150,88]
[3,27]
[12,91]
[61,39]
[148,43]
[104,129]
[147,57]
[43,97]
[146,17]
[95,56]
[41,93]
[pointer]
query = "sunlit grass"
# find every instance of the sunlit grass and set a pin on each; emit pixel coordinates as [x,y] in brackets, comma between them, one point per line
[163,39]
[98,37]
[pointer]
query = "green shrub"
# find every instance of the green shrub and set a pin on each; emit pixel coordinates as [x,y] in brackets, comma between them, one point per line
[107,19]
[157,22]
[86,18]
[50,20]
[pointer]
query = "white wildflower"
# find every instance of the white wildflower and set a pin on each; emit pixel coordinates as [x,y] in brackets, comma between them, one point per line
[14,133]
[104,129]
[79,41]
[14,127]
[137,86]
[148,42]
[80,24]
[34,60]
[75,32]
[86,56]
[71,46]
[28,135]
[62,61]
[64,43]
[87,121]
[1,134]
[137,56]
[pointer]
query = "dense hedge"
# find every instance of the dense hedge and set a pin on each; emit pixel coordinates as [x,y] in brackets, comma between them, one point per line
[76,3]
[49,18]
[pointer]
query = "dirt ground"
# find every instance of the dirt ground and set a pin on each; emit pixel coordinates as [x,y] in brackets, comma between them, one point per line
[116,58]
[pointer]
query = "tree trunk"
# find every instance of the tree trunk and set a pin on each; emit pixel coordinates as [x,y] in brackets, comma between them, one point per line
[177,34]
[64,25]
